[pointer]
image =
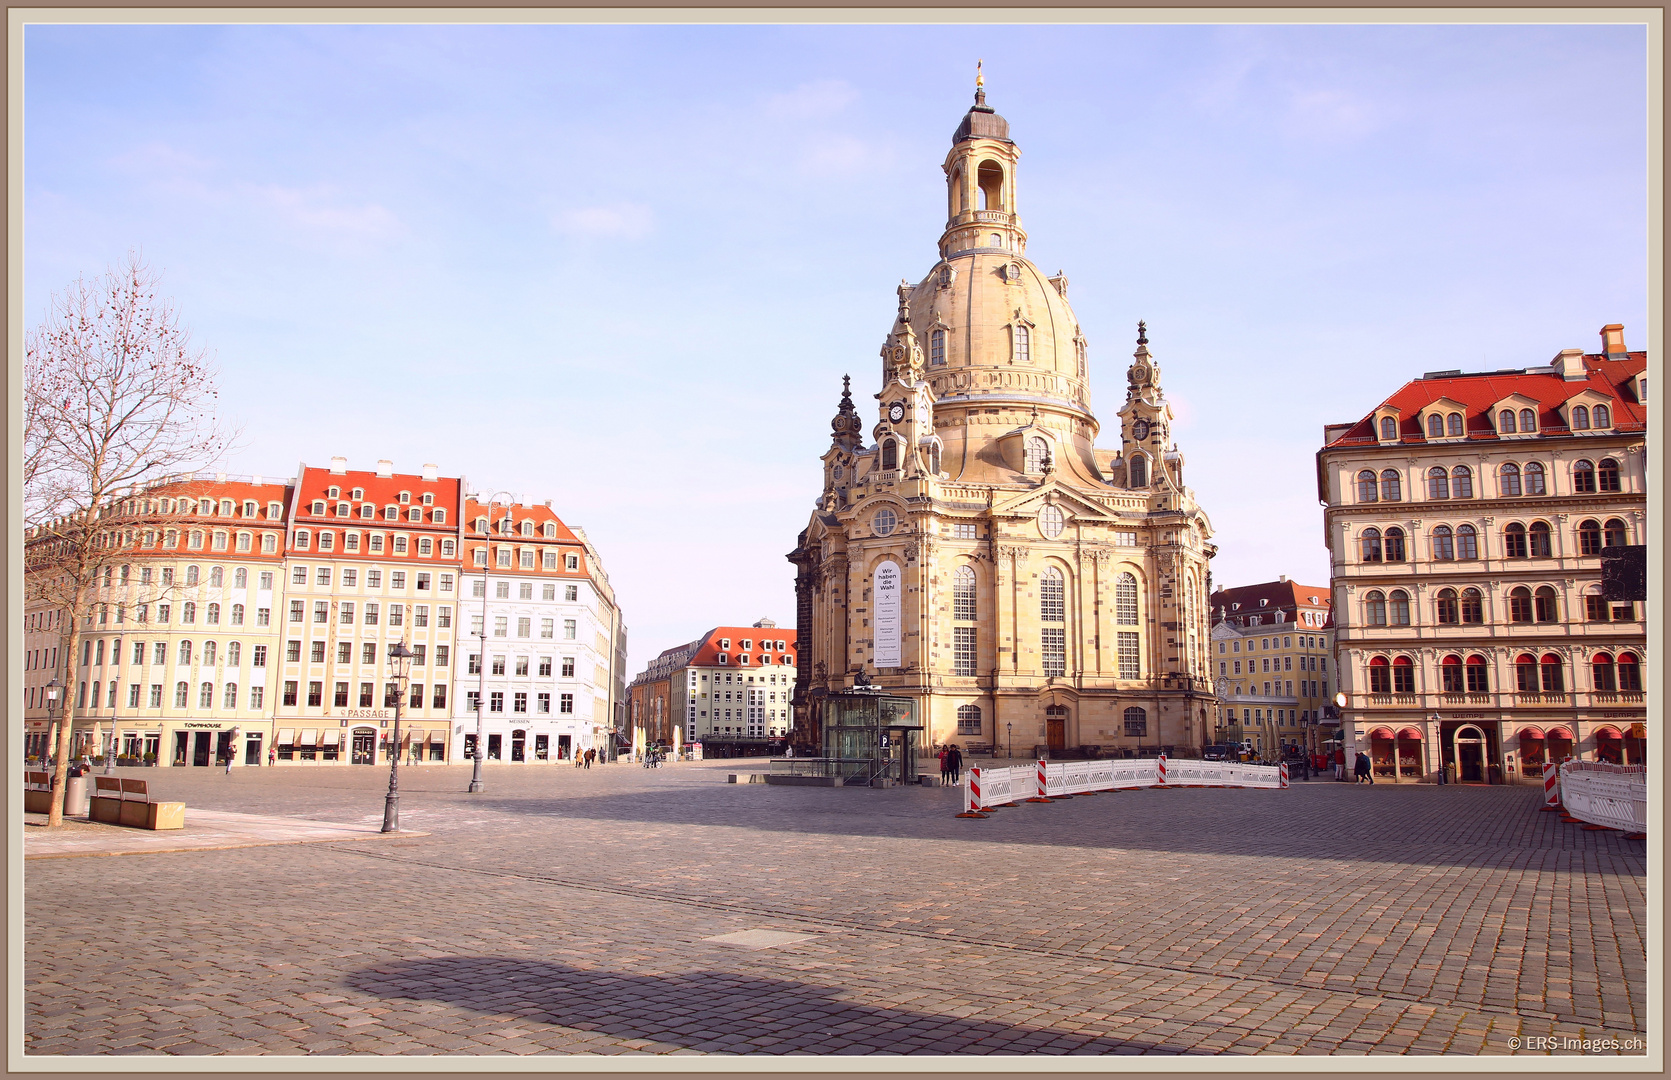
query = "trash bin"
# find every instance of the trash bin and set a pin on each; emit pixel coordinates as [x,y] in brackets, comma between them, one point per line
[75,796]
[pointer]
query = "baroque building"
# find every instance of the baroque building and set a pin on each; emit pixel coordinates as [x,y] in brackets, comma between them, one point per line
[1467,516]
[974,549]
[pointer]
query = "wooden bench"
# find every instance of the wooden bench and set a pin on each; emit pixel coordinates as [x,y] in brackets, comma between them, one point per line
[37,792]
[118,800]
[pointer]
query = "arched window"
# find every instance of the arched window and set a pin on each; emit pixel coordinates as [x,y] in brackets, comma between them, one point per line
[207,654]
[1607,475]
[1528,420]
[968,719]
[188,612]
[1580,418]
[182,692]
[1534,479]
[1630,674]
[206,696]
[1467,542]
[1053,613]
[240,578]
[1380,676]
[191,575]
[1462,482]
[1403,676]
[1023,346]
[185,651]
[1545,605]
[890,454]
[1538,537]
[1505,422]
[1394,547]
[1389,486]
[1444,546]
[1037,451]
[1125,601]
[1438,482]
[231,699]
[1454,423]
[1583,475]
[1602,416]
[1613,535]
[1445,610]
[1554,680]
[1514,541]
[1375,608]
[1366,486]
[1139,469]
[233,652]
[1479,679]
[1520,604]
[1435,426]
[1450,675]
[937,348]
[1589,537]
[1601,674]
[963,593]
[1398,608]
[1526,673]
[1371,541]
[1389,429]
[212,614]
[217,577]
[1508,479]
[1136,722]
[989,184]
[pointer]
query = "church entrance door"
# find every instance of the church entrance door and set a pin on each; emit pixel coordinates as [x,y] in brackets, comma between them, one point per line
[1056,727]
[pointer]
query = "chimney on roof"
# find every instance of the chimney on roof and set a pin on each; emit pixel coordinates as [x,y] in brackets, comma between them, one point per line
[339,465]
[257,480]
[523,500]
[548,504]
[385,468]
[432,471]
[1569,365]
[1282,578]
[1613,341]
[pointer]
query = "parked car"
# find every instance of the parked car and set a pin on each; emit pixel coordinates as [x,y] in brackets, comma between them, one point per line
[1217,752]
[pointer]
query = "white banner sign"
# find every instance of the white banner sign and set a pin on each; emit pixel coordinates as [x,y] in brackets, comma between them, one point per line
[886,586]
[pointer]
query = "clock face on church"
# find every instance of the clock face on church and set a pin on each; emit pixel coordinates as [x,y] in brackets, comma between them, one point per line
[896,412]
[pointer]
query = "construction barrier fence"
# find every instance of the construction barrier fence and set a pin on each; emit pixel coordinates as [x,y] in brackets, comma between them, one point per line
[985,788]
[1614,796]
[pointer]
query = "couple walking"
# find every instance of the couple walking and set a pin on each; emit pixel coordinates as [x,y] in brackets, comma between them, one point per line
[951,765]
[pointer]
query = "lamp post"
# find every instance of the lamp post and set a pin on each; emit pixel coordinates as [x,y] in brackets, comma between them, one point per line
[400,669]
[52,689]
[481,658]
[1009,742]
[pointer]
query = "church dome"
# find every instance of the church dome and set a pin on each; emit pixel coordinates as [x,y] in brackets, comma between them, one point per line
[982,122]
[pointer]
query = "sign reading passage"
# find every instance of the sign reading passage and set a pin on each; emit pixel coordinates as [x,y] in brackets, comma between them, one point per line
[887,588]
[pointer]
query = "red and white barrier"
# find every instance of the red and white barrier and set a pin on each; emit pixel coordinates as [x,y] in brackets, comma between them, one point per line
[1045,781]
[1612,796]
[1551,787]
[1283,778]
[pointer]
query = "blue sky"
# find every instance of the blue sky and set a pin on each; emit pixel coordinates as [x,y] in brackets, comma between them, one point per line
[625,268]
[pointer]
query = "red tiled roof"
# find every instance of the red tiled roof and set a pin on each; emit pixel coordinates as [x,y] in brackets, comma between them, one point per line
[519,513]
[708,652]
[1477,393]
[1288,596]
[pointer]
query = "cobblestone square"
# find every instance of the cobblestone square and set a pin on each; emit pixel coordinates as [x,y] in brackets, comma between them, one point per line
[576,912]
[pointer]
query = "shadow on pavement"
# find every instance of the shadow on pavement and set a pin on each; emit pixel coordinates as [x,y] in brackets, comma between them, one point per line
[708,1011]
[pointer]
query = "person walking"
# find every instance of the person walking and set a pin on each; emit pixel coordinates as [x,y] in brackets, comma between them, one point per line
[589,756]
[954,762]
[1361,769]
[272,755]
[945,765]
[1340,763]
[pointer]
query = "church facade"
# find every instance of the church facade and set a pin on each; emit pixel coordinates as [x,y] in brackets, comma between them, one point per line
[972,547]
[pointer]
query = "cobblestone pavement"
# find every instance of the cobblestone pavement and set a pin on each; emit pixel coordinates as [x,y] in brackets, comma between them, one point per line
[574,911]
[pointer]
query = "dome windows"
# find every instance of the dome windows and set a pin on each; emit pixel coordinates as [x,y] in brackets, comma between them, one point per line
[937,348]
[1021,346]
[989,181]
[1037,455]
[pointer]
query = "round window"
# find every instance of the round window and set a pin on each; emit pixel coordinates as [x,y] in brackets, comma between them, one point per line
[884,521]
[1050,521]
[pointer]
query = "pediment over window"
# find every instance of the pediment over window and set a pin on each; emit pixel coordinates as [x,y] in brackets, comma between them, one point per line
[1028,504]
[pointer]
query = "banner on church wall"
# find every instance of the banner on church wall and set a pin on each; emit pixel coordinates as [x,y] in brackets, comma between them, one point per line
[886,589]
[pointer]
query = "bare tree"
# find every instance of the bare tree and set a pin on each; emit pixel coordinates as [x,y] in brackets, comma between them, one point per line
[118,400]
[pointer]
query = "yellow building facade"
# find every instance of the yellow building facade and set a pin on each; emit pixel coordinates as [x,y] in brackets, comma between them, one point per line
[977,551]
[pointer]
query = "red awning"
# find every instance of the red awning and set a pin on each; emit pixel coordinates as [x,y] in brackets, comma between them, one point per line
[1560,733]
[1607,732]
[1410,733]
[1531,733]
[1381,733]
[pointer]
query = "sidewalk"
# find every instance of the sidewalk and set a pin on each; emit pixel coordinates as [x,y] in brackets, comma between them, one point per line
[206,830]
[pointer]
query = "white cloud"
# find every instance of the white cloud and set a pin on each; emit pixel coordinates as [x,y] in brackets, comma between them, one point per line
[630,221]
[316,208]
[811,100]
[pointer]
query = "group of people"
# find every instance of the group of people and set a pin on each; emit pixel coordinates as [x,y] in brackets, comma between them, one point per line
[951,765]
[584,760]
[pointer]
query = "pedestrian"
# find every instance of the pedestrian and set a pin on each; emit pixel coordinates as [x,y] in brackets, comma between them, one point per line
[229,761]
[954,760]
[272,755]
[1340,763]
[578,759]
[945,765]
[589,756]
[1361,769]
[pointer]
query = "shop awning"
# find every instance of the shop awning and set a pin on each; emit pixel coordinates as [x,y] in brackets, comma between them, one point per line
[331,737]
[1410,733]
[1607,731]
[286,736]
[1381,733]
[1530,733]
[309,737]
[1560,733]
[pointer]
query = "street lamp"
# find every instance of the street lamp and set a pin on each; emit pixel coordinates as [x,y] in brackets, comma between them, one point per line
[1009,742]
[481,658]
[400,669]
[52,689]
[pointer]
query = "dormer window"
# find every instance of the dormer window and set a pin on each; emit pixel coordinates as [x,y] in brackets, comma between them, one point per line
[551,530]
[333,492]
[439,515]
[404,497]
[368,511]
[415,514]
[391,513]
[1435,426]
[357,494]
[319,507]
[275,511]
[429,498]
[527,528]
[1528,420]
[1454,426]
[481,524]
[1505,422]
[1601,417]
[1389,429]
[937,348]
[1580,418]
[1037,452]
[1021,345]
[342,510]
